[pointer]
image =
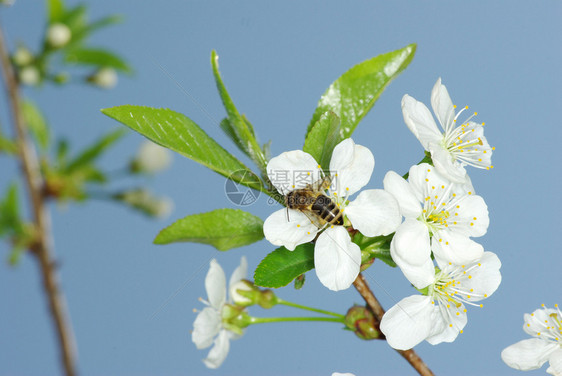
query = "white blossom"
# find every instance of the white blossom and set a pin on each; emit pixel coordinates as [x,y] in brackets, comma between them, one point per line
[208,328]
[455,147]
[440,216]
[440,314]
[105,78]
[373,212]
[30,75]
[545,325]
[152,158]
[58,35]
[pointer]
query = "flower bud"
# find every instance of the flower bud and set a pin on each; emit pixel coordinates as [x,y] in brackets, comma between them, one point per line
[105,78]
[362,322]
[244,293]
[268,299]
[151,158]
[29,75]
[58,35]
[22,56]
[146,202]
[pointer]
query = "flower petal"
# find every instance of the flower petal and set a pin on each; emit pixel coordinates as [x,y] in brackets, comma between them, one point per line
[403,193]
[485,277]
[452,324]
[411,242]
[215,285]
[472,216]
[289,232]
[418,118]
[337,260]
[419,275]
[408,322]
[206,326]
[374,212]
[293,170]
[442,105]
[444,163]
[450,246]
[240,272]
[555,362]
[528,354]
[218,353]
[352,166]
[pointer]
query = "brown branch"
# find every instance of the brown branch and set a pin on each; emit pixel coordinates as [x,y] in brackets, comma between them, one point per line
[411,357]
[42,247]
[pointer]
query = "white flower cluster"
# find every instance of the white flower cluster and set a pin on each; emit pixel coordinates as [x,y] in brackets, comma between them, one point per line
[434,214]
[442,213]
[441,216]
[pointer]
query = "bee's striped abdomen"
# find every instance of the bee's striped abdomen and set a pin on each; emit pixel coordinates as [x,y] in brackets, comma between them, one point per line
[327,209]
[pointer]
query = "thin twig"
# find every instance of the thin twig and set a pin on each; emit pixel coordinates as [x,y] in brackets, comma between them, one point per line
[42,247]
[363,288]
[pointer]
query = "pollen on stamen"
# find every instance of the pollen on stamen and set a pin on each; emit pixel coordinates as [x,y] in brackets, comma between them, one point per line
[298,225]
[347,188]
[308,232]
[481,305]
[542,305]
[319,166]
[293,186]
[466,107]
[308,173]
[450,325]
[461,331]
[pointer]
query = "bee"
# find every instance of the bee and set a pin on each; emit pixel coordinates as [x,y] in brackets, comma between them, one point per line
[315,204]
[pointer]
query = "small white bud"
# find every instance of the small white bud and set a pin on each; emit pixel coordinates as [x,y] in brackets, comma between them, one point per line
[22,56]
[105,78]
[238,298]
[152,158]
[58,35]
[163,207]
[30,75]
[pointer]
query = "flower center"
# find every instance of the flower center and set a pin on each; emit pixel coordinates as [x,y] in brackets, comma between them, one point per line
[451,289]
[551,327]
[466,144]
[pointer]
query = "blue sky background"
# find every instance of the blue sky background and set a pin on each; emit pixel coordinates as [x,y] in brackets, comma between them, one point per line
[131,302]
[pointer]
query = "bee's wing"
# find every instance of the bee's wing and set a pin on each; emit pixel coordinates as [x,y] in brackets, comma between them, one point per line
[315,219]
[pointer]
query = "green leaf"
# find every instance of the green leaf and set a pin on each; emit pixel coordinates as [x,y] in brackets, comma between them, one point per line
[179,133]
[281,266]
[239,129]
[55,10]
[94,151]
[97,57]
[7,145]
[10,221]
[75,18]
[323,137]
[222,228]
[36,123]
[353,94]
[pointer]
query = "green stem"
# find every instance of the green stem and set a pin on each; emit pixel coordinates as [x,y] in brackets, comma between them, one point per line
[263,320]
[306,308]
